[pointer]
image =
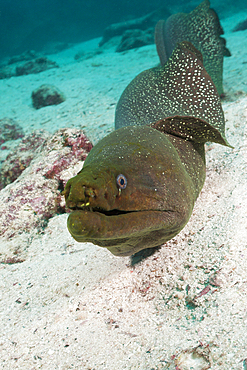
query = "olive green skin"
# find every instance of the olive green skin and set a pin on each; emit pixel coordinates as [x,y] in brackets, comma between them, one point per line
[163,119]
[162,186]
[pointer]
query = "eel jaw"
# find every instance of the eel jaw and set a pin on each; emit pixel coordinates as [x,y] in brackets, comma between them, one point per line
[94,224]
[124,233]
[82,207]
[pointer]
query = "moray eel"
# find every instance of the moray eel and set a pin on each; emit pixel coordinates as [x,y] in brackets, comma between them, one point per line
[139,184]
[202,28]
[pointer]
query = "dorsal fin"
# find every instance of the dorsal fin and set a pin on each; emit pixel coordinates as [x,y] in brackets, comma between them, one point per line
[181,88]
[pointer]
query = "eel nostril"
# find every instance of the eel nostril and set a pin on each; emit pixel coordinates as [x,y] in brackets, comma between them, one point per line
[89,192]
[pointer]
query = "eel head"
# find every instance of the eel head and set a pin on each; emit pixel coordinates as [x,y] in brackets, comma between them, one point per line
[132,193]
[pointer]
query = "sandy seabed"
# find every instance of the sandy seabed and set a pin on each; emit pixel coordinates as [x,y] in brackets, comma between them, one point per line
[76,306]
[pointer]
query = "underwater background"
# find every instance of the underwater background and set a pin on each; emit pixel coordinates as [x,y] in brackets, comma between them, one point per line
[35,24]
[69,305]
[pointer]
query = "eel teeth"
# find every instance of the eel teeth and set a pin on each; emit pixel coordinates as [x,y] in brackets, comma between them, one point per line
[80,205]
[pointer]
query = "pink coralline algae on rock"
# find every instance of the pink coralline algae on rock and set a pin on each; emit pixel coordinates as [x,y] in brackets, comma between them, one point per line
[47,95]
[35,196]
[19,159]
[9,130]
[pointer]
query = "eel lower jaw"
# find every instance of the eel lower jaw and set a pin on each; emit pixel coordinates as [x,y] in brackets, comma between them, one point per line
[123,233]
[96,223]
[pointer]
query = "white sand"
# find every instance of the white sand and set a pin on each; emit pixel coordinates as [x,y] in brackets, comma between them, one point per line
[76,306]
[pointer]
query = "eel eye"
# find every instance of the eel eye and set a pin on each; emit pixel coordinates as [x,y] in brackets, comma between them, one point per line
[121,181]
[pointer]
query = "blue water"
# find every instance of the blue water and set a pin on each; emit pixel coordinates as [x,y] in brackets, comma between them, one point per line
[29,24]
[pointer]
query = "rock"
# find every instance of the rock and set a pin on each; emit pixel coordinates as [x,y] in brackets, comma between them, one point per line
[82,55]
[135,39]
[35,66]
[9,130]
[19,159]
[27,55]
[35,196]
[15,66]
[142,23]
[241,26]
[47,95]
[7,72]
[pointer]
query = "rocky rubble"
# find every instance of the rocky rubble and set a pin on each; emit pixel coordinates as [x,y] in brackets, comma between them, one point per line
[35,196]
[9,130]
[47,95]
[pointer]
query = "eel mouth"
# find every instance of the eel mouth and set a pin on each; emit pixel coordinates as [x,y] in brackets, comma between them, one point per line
[112,212]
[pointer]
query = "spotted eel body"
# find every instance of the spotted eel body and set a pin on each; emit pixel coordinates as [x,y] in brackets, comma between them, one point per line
[202,28]
[138,185]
